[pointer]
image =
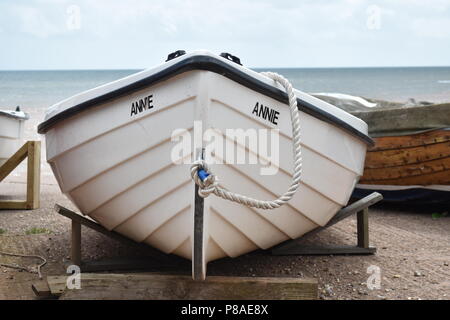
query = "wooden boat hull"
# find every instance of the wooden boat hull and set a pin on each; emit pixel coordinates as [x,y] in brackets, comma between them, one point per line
[119,170]
[409,167]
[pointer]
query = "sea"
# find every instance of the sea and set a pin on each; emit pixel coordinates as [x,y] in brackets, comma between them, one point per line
[41,89]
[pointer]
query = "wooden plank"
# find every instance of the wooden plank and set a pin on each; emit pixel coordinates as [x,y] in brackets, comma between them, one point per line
[33,174]
[57,284]
[401,157]
[14,205]
[356,206]
[13,162]
[181,287]
[132,264]
[362,224]
[431,178]
[41,289]
[325,250]
[410,141]
[420,171]
[418,159]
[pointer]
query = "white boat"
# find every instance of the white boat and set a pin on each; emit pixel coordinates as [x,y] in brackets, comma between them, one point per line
[12,125]
[111,151]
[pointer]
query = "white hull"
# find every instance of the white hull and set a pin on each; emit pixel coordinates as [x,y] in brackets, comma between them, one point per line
[11,136]
[118,170]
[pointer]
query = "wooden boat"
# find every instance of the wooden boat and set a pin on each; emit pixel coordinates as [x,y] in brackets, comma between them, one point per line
[110,149]
[11,132]
[410,161]
[414,167]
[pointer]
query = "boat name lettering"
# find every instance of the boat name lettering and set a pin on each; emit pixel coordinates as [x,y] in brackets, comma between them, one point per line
[142,105]
[266,113]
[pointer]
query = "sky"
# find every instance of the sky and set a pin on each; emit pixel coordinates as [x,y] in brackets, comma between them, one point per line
[137,34]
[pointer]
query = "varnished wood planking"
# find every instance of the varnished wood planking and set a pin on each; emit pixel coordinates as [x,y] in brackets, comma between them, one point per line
[404,156]
[408,141]
[408,170]
[436,178]
[419,159]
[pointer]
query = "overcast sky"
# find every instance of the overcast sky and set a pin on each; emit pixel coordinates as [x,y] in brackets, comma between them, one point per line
[135,34]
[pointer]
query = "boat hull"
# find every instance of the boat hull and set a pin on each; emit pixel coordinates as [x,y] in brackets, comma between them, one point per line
[412,167]
[11,136]
[127,174]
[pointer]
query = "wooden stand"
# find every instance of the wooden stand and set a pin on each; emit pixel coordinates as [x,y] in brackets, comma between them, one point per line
[161,286]
[154,257]
[177,287]
[361,208]
[32,151]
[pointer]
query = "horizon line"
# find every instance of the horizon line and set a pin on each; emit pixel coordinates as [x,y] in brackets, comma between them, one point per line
[265,68]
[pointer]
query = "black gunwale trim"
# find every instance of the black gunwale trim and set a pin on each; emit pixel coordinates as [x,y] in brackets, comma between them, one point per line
[9,115]
[203,62]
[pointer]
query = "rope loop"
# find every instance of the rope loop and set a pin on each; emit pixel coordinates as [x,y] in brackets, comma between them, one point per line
[209,183]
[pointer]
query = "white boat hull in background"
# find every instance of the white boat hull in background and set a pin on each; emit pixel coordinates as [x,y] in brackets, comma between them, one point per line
[118,169]
[11,136]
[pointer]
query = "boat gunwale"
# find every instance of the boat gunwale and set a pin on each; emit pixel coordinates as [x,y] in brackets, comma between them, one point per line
[12,114]
[206,63]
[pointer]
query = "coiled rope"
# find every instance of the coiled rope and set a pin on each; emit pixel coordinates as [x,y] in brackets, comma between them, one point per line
[27,269]
[209,183]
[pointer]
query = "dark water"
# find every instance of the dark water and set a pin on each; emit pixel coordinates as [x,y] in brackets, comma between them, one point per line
[44,88]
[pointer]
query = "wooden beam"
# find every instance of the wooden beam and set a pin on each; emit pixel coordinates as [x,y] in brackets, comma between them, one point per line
[182,287]
[356,206]
[325,250]
[143,263]
[13,205]
[41,289]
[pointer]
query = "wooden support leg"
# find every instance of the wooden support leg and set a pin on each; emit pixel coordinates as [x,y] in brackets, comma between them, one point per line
[363,228]
[33,174]
[75,255]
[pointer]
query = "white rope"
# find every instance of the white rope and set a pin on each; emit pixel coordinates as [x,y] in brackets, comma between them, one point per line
[211,183]
[28,269]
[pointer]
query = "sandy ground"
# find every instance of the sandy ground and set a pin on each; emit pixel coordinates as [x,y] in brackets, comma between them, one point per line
[413,248]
